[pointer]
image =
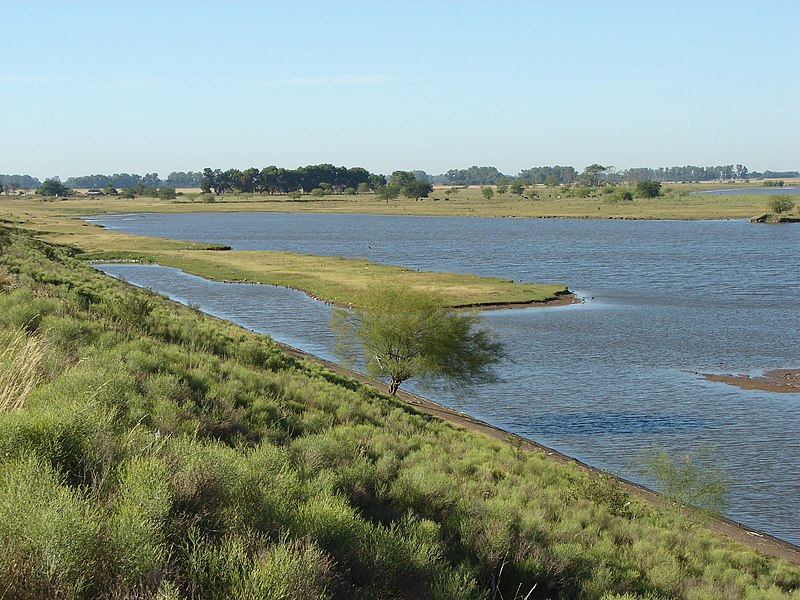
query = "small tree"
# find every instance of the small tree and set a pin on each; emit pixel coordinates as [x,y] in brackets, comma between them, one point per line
[648,189]
[402,333]
[781,204]
[387,192]
[417,189]
[487,192]
[516,188]
[502,186]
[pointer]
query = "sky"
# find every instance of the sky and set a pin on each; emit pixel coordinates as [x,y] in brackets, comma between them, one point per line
[109,87]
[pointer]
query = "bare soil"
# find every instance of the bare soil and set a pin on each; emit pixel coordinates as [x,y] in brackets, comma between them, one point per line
[777,380]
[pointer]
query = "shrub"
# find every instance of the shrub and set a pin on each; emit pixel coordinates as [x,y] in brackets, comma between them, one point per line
[648,188]
[50,534]
[781,204]
[688,479]
[139,522]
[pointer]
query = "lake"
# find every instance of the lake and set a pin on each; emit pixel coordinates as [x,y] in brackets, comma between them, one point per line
[761,190]
[602,381]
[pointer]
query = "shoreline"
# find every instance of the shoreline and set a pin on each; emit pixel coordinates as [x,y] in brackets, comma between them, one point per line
[758,540]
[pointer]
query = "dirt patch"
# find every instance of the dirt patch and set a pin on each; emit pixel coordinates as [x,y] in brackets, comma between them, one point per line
[777,380]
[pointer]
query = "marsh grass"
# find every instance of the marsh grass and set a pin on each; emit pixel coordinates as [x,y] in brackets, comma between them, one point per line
[21,357]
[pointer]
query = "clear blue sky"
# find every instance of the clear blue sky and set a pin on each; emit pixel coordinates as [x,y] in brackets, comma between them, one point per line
[113,86]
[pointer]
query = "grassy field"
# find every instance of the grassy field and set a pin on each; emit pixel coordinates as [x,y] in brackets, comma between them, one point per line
[150,451]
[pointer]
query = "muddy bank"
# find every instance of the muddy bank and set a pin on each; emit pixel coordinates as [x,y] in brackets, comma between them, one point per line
[777,380]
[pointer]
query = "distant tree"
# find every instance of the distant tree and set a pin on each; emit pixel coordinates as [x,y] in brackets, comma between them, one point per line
[128,193]
[648,188]
[516,188]
[53,187]
[502,185]
[167,193]
[403,334]
[376,180]
[401,179]
[247,180]
[109,190]
[417,189]
[592,176]
[387,192]
[488,193]
[550,181]
[781,204]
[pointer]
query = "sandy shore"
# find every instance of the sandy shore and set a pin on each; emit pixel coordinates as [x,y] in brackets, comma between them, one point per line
[777,380]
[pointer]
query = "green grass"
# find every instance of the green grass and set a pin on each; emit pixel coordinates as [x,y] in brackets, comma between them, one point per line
[178,456]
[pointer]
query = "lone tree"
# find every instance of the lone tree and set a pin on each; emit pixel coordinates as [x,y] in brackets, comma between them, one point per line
[402,333]
[487,192]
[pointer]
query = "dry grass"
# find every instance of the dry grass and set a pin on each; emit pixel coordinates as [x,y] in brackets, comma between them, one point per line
[20,360]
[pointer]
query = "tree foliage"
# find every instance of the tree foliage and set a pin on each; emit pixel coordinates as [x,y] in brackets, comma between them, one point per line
[648,189]
[53,187]
[402,334]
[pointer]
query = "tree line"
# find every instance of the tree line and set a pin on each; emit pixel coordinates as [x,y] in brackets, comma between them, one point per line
[276,180]
[329,179]
[126,180]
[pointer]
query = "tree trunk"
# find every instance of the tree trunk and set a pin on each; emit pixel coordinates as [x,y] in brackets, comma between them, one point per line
[393,385]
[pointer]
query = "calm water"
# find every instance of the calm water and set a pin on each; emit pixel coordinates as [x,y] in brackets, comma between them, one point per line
[601,381]
[761,190]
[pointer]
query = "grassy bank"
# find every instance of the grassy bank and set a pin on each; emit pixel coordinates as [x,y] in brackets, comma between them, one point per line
[332,279]
[148,450]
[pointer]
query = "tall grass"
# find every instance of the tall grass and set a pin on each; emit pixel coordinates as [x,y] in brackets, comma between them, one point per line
[20,361]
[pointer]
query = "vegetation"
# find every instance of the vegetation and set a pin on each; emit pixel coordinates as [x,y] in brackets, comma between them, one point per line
[53,187]
[648,189]
[162,453]
[402,334]
[781,204]
[689,479]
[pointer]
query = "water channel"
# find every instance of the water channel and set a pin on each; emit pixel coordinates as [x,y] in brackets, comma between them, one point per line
[603,380]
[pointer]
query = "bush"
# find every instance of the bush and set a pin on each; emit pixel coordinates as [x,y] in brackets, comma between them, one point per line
[139,522]
[648,188]
[50,535]
[781,204]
